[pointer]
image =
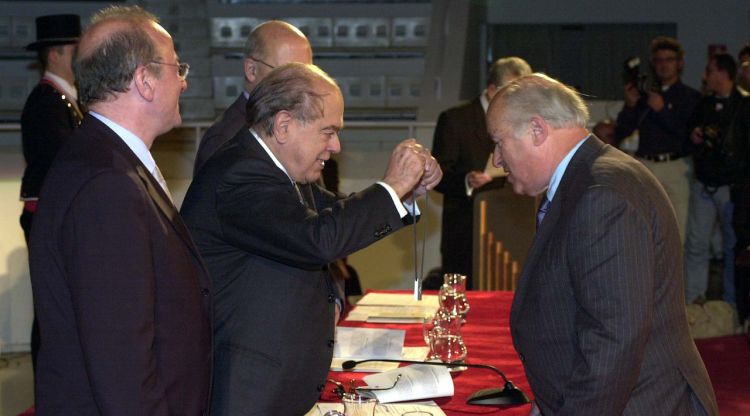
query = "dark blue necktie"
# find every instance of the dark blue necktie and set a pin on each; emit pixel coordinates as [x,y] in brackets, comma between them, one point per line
[543,207]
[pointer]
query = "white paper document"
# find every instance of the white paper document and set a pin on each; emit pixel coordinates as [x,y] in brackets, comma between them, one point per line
[397,299]
[417,382]
[393,308]
[362,343]
[394,409]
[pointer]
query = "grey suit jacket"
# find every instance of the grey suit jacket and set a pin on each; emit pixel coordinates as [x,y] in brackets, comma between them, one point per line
[266,253]
[120,291]
[599,316]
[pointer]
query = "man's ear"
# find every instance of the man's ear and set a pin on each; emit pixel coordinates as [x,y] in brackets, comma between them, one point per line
[539,130]
[250,69]
[281,124]
[144,83]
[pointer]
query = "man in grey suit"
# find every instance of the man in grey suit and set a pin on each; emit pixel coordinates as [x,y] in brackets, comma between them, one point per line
[267,230]
[598,319]
[270,44]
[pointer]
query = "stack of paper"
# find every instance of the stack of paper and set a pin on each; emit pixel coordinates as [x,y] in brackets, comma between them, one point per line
[394,308]
[416,382]
[372,343]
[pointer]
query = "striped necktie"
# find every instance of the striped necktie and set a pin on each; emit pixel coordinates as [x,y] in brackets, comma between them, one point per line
[543,207]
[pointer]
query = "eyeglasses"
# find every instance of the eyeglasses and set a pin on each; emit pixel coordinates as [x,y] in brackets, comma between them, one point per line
[263,62]
[182,68]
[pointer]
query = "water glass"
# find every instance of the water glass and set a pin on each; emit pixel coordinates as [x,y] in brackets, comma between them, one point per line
[447,348]
[358,405]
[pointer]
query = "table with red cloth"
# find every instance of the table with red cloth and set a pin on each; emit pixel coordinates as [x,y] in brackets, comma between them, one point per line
[488,341]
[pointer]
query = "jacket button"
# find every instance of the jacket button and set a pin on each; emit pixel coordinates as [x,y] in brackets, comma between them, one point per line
[521,357]
[205,292]
[321,387]
[330,343]
[331,298]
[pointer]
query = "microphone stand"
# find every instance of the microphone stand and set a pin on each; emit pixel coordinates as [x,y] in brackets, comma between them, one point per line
[509,395]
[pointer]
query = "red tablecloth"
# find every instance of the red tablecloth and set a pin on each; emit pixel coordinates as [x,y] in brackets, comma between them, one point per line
[488,341]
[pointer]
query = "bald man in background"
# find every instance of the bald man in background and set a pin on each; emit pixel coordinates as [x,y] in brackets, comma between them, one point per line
[269,45]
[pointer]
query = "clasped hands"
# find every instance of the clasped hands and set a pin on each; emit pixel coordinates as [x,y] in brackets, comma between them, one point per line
[412,170]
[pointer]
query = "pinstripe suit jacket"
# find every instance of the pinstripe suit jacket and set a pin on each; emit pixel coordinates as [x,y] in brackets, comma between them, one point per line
[599,316]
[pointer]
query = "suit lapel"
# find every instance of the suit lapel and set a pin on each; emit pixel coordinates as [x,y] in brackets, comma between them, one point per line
[154,190]
[569,190]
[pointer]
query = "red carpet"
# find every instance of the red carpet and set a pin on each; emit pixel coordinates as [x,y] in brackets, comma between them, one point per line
[728,362]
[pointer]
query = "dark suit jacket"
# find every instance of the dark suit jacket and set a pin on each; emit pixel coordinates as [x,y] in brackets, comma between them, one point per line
[273,302]
[599,316]
[47,121]
[220,132]
[461,144]
[119,289]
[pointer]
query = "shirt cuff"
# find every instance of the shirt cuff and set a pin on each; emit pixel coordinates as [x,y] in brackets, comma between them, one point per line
[404,208]
[469,189]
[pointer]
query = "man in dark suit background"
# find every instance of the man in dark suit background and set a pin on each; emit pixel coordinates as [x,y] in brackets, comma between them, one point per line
[267,230]
[462,147]
[598,318]
[49,116]
[119,287]
[269,45]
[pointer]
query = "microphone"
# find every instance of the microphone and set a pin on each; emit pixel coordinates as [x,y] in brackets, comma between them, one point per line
[508,395]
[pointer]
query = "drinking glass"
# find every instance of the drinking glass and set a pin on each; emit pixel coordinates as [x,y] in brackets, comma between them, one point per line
[447,348]
[358,405]
[458,282]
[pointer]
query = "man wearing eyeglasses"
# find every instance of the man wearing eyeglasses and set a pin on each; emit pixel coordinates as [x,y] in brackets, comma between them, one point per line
[270,44]
[120,290]
[267,230]
[658,112]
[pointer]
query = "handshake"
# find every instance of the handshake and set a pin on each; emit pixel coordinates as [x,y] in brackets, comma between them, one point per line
[412,170]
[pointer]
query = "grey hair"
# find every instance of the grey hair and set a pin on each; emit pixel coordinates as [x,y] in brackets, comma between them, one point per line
[505,68]
[108,68]
[293,87]
[538,94]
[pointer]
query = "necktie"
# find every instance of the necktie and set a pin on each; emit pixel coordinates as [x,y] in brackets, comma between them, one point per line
[543,207]
[159,178]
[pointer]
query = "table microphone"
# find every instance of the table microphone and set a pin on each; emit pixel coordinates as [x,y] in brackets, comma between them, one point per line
[508,395]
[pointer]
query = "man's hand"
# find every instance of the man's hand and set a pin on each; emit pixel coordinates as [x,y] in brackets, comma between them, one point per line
[477,179]
[631,95]
[696,136]
[655,101]
[409,161]
[431,177]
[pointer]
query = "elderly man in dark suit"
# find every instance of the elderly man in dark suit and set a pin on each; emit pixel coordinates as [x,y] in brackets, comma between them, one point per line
[267,230]
[270,44]
[462,148]
[120,291]
[598,319]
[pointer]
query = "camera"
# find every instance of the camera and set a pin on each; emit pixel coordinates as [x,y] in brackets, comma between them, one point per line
[631,74]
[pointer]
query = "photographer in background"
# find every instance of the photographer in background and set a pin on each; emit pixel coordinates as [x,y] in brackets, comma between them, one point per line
[720,130]
[743,72]
[660,112]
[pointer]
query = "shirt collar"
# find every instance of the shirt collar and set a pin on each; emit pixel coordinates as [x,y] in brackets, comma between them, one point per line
[485,102]
[560,170]
[67,88]
[270,154]
[135,144]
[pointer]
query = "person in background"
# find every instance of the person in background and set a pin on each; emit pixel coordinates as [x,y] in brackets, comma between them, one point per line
[50,115]
[462,148]
[743,73]
[269,45]
[660,114]
[720,131]
[267,231]
[598,318]
[120,290]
